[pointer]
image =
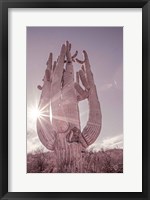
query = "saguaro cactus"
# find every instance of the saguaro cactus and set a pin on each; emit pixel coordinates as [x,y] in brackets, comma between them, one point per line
[61,94]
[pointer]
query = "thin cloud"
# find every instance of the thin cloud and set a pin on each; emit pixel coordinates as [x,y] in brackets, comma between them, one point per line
[108,143]
[106,87]
[34,144]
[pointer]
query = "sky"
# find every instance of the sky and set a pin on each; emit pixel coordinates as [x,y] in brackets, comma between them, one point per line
[104,46]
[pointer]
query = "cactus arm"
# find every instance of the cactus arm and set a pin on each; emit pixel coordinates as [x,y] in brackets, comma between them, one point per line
[59,121]
[82,94]
[58,71]
[80,61]
[44,127]
[93,127]
[76,53]
[70,103]
[83,79]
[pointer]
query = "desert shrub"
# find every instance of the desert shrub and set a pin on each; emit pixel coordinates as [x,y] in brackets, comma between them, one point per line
[39,162]
[109,161]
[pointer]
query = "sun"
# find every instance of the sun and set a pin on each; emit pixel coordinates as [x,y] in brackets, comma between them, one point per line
[34,113]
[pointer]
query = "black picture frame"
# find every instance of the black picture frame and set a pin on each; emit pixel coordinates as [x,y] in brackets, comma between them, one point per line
[4,6]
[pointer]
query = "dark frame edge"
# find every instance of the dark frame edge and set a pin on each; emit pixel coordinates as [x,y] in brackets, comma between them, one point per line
[74,3]
[1,182]
[148,97]
[4,99]
[145,90]
[4,194]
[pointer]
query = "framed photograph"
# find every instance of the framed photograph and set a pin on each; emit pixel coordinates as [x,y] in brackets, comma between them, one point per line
[74,99]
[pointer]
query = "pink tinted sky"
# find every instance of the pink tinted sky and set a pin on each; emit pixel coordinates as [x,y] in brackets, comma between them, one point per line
[104,46]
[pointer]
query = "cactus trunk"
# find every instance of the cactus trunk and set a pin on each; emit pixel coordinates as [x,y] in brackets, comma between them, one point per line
[68,155]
